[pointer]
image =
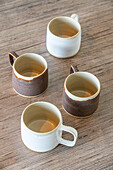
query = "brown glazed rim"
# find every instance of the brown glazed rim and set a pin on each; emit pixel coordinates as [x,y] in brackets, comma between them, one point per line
[73,97]
[18,75]
[46,133]
[48,27]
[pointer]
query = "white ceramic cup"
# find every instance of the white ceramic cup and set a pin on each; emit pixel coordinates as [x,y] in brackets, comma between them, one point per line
[42,142]
[63,37]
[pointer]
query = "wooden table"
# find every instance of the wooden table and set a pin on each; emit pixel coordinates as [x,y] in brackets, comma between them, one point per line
[23,29]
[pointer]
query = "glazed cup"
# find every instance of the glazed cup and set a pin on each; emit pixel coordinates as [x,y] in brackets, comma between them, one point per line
[63,36]
[43,142]
[29,74]
[81,106]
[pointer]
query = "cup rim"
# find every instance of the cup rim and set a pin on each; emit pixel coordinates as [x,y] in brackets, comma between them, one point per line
[73,97]
[45,133]
[79,31]
[25,77]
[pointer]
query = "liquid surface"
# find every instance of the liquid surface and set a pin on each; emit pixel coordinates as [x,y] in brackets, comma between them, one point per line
[81,93]
[42,126]
[30,74]
[64,36]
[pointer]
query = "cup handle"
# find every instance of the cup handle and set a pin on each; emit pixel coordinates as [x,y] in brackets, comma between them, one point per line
[73,69]
[12,56]
[75,17]
[73,132]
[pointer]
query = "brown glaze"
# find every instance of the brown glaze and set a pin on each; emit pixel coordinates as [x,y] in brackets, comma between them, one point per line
[80,108]
[12,56]
[73,69]
[28,88]
[31,88]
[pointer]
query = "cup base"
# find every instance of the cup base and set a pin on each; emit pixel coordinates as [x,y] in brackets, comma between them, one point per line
[65,56]
[79,117]
[30,96]
[38,150]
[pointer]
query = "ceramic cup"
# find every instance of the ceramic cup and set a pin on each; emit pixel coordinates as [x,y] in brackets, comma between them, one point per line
[81,93]
[29,75]
[41,127]
[63,37]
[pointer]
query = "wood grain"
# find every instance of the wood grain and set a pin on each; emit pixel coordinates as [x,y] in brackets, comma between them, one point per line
[23,29]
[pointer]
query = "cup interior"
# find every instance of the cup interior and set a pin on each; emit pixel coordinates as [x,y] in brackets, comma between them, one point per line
[41,117]
[82,85]
[30,65]
[64,27]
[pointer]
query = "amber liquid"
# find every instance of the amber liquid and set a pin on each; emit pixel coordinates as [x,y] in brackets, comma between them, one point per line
[42,124]
[68,35]
[82,93]
[30,74]
[64,36]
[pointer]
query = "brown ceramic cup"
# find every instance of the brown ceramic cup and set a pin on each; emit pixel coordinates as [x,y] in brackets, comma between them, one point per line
[81,93]
[29,75]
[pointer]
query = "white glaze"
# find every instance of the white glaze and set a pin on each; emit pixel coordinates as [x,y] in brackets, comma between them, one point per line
[42,142]
[64,47]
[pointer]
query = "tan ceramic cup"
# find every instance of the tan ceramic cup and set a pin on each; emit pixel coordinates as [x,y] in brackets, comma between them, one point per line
[29,75]
[81,93]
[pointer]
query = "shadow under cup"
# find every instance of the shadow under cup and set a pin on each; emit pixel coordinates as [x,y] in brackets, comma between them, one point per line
[81,94]
[30,75]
